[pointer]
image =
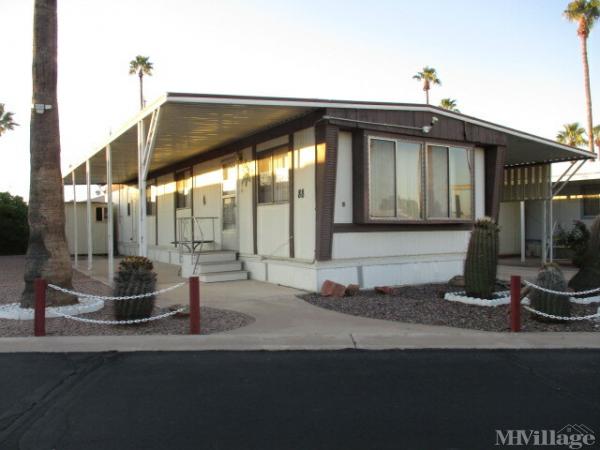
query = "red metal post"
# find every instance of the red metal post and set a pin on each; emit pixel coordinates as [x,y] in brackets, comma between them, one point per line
[515,303]
[194,305]
[39,312]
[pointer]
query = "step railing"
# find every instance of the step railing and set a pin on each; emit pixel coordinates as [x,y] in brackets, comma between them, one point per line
[188,229]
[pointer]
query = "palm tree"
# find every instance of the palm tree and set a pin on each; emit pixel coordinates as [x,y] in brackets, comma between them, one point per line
[6,120]
[47,253]
[596,134]
[449,104]
[572,134]
[585,13]
[142,66]
[429,77]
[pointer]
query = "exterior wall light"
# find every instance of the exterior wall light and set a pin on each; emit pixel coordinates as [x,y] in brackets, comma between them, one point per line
[427,128]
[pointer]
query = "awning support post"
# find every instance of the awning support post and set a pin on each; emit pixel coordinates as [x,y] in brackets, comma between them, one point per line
[544,232]
[522,231]
[89,214]
[145,150]
[109,234]
[75,225]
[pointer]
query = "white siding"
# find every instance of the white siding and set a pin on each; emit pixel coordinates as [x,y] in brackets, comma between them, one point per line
[479,183]
[99,229]
[402,243]
[165,206]
[305,207]
[343,182]
[273,230]
[246,173]
[208,177]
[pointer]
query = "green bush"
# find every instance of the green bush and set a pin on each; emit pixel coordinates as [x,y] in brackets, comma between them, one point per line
[576,239]
[588,276]
[14,229]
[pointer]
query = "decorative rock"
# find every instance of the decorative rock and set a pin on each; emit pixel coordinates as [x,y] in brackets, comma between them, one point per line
[352,290]
[184,313]
[332,289]
[457,281]
[387,290]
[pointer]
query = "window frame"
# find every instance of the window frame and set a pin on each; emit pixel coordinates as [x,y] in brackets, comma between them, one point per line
[271,153]
[585,216]
[367,218]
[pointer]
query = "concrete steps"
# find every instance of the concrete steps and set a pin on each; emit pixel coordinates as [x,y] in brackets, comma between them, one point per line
[214,266]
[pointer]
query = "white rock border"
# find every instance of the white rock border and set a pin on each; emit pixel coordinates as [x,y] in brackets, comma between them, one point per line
[13,311]
[585,300]
[461,297]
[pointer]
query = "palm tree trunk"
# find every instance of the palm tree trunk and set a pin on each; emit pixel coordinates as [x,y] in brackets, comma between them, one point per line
[47,253]
[427,96]
[588,95]
[141,75]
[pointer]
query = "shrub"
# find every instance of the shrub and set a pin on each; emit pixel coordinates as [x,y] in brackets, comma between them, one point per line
[14,228]
[135,276]
[550,277]
[576,239]
[482,259]
[588,276]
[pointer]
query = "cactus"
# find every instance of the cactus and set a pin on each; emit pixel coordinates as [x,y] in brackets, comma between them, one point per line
[482,259]
[135,276]
[550,277]
[588,276]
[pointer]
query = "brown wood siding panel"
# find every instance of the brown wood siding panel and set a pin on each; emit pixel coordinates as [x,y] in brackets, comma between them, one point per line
[325,171]
[495,158]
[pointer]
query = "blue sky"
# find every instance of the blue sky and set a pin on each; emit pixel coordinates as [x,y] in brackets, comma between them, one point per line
[516,63]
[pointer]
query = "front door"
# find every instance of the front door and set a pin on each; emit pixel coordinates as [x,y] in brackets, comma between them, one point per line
[229,231]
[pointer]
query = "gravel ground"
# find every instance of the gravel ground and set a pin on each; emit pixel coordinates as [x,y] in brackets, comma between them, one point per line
[11,285]
[424,304]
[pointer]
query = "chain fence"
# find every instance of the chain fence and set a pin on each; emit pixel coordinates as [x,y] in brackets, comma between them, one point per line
[112,298]
[122,322]
[563,293]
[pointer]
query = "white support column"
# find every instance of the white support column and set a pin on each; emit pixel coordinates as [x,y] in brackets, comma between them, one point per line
[551,230]
[75,226]
[109,234]
[544,232]
[89,214]
[142,244]
[523,230]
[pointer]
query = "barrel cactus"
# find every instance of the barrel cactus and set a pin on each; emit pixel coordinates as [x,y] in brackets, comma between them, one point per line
[588,276]
[550,277]
[482,259]
[135,276]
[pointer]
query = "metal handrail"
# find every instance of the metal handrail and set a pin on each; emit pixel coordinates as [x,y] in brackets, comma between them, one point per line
[194,222]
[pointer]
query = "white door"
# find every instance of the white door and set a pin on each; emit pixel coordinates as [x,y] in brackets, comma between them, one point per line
[229,211]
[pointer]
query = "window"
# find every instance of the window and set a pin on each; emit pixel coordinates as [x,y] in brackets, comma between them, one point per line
[128,209]
[183,196]
[591,201]
[101,214]
[404,176]
[274,177]
[151,200]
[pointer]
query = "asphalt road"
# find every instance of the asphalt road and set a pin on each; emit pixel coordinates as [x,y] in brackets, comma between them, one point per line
[292,400]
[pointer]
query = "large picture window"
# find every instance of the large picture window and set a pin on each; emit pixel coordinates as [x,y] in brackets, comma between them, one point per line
[274,177]
[410,181]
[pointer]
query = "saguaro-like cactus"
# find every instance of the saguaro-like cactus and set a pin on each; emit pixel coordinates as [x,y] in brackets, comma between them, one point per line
[135,276]
[482,259]
[550,277]
[588,276]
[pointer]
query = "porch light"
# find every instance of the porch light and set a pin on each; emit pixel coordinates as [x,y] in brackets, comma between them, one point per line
[427,128]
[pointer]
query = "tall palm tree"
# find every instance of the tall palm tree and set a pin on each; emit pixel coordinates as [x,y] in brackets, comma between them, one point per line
[6,120]
[585,13]
[47,253]
[572,134]
[449,104]
[141,66]
[428,76]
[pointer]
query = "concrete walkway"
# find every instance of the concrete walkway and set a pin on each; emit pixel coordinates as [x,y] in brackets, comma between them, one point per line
[284,322]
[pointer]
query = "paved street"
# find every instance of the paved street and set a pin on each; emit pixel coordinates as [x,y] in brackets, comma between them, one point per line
[427,399]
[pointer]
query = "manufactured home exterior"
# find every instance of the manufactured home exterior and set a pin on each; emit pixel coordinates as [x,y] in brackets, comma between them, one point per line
[298,191]
[76,215]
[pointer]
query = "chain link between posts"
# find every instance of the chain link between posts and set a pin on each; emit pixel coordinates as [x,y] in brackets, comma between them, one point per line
[570,294]
[121,322]
[111,298]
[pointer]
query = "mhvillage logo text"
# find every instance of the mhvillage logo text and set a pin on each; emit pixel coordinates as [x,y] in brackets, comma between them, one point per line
[572,436]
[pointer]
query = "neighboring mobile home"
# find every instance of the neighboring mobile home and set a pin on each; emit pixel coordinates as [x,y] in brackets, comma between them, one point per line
[297,191]
[77,215]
